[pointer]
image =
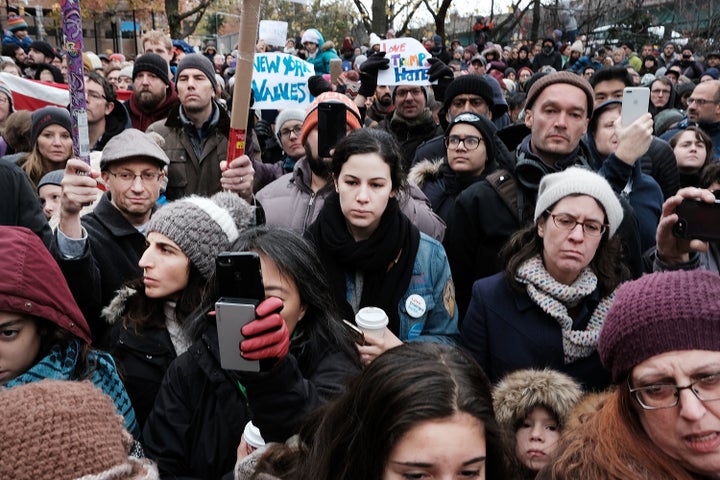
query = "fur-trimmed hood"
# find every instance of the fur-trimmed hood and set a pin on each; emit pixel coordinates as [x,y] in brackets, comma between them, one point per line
[116,309]
[425,171]
[521,391]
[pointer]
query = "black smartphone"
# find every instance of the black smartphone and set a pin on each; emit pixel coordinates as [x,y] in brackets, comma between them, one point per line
[239,276]
[331,126]
[239,289]
[698,220]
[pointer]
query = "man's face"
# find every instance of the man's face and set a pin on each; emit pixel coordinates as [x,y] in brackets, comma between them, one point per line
[476,67]
[160,49]
[383,93]
[195,91]
[149,90]
[97,104]
[468,102]
[713,61]
[668,50]
[135,199]
[35,57]
[608,90]
[704,93]
[123,82]
[557,120]
[409,101]
[647,50]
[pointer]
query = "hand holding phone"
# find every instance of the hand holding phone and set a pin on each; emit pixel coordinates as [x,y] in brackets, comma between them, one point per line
[635,103]
[267,337]
[697,220]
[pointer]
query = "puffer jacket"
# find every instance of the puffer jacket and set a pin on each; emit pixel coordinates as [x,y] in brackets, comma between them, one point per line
[290,202]
[188,174]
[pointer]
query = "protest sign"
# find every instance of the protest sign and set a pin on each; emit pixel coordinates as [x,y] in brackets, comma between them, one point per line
[408,62]
[273,32]
[280,81]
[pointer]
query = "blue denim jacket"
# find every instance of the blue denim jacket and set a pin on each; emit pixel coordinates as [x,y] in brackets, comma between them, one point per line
[431,280]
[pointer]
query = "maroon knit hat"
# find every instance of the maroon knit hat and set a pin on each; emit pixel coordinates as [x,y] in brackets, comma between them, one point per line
[658,313]
[568,78]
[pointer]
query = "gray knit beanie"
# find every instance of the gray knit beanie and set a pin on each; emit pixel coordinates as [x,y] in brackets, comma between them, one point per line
[288,114]
[575,180]
[200,62]
[203,227]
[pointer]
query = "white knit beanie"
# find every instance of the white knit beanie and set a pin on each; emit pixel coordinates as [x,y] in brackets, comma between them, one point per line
[575,180]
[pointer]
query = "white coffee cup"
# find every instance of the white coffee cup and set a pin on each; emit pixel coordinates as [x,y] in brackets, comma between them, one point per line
[372,321]
[253,437]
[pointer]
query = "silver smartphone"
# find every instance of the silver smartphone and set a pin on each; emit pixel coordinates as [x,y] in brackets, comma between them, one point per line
[231,316]
[635,103]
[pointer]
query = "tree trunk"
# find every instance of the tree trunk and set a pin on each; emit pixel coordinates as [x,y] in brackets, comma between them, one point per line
[536,21]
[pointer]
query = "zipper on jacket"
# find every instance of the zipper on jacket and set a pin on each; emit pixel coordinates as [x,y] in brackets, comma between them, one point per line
[309,210]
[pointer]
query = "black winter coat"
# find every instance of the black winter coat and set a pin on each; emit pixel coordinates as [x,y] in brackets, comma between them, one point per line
[201,410]
[19,206]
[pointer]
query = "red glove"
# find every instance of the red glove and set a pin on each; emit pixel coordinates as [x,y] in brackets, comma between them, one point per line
[267,336]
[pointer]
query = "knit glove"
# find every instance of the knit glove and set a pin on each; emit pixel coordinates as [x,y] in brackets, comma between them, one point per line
[443,74]
[267,337]
[369,72]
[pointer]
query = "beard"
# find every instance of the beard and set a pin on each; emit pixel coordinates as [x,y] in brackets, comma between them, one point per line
[318,166]
[148,100]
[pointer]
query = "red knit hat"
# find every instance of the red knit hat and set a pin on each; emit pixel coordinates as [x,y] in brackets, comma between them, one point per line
[658,313]
[311,114]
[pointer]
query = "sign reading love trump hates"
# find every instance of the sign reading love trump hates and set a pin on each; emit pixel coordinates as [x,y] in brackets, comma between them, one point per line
[280,81]
[408,62]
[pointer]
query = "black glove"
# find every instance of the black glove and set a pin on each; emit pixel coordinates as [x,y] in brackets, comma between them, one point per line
[369,72]
[318,85]
[443,74]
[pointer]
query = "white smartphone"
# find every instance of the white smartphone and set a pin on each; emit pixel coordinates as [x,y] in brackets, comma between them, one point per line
[635,103]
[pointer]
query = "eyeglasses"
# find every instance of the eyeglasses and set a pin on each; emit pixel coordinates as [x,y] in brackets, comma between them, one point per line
[565,221]
[470,142]
[662,395]
[95,95]
[285,132]
[475,102]
[145,177]
[660,92]
[700,101]
[415,92]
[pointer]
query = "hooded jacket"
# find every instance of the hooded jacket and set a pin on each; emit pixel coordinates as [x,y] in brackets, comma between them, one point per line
[116,122]
[19,205]
[32,284]
[323,55]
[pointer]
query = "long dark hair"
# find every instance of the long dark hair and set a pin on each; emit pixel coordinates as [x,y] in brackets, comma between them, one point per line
[145,312]
[372,140]
[402,388]
[52,334]
[295,257]
[607,264]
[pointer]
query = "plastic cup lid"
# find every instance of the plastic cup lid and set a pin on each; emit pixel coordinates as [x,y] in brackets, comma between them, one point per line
[371,318]
[253,436]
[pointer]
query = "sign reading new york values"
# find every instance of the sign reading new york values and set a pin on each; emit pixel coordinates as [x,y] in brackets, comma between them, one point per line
[280,81]
[408,62]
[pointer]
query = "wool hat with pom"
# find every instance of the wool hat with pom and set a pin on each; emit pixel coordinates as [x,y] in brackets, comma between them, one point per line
[352,116]
[16,23]
[203,227]
[65,430]
[516,395]
[579,181]
[658,313]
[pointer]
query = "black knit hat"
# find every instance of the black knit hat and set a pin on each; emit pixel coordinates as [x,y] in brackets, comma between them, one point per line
[658,313]
[199,61]
[46,116]
[482,124]
[561,77]
[470,84]
[44,48]
[153,63]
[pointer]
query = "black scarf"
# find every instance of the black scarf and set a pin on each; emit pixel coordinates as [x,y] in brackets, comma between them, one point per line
[385,259]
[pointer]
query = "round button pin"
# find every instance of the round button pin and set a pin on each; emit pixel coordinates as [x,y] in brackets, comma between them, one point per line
[415,306]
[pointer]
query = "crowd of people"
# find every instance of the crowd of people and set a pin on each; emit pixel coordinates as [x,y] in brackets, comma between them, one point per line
[539,313]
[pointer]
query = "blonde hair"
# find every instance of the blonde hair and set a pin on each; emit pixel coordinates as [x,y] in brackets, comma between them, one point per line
[157,36]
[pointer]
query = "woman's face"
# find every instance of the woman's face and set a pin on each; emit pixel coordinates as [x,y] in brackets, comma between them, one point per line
[47,76]
[525,76]
[365,187]
[55,144]
[166,269]
[567,252]
[463,160]
[690,431]
[536,439]
[690,152]
[447,448]
[19,345]
[278,284]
